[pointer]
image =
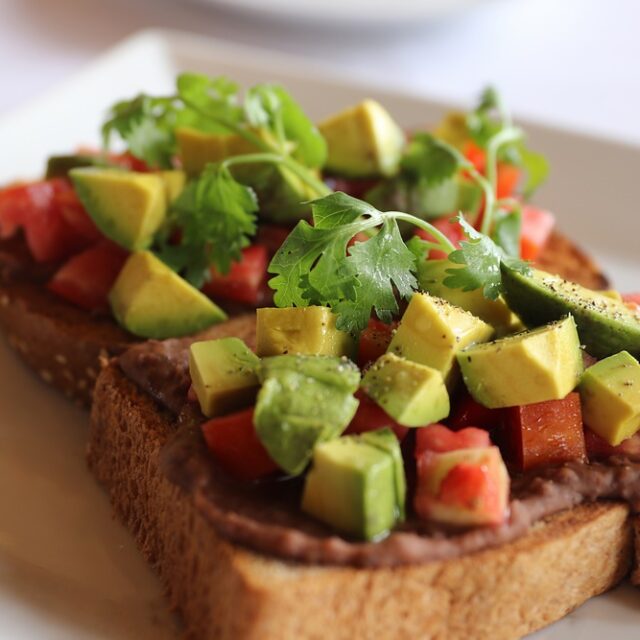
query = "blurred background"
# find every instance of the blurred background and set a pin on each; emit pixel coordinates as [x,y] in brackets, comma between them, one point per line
[568,62]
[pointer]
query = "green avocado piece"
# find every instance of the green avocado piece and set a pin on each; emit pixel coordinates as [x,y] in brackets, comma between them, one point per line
[352,486]
[606,325]
[432,331]
[610,394]
[223,374]
[128,207]
[431,275]
[307,330]
[59,166]
[150,300]
[363,141]
[340,373]
[413,394]
[528,367]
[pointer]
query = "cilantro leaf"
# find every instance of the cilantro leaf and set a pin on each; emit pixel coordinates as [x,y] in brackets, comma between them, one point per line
[381,266]
[536,167]
[431,159]
[216,216]
[481,258]
[146,125]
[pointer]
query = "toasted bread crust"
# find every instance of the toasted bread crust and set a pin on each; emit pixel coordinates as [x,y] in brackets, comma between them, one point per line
[63,344]
[224,591]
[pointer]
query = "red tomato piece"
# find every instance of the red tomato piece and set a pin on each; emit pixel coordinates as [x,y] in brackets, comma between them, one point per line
[507,179]
[476,155]
[440,439]
[545,433]
[469,485]
[74,213]
[466,412]
[272,236]
[452,230]
[233,441]
[370,417]
[374,341]
[14,206]
[598,448]
[537,225]
[86,279]
[244,282]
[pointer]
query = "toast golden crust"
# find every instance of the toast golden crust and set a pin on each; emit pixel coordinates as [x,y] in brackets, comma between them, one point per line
[225,591]
[63,344]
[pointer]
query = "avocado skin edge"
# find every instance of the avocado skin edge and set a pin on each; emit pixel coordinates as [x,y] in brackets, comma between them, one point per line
[536,304]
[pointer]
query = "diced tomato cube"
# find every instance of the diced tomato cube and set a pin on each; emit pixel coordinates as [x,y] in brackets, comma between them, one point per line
[507,178]
[466,412]
[374,341]
[545,433]
[467,484]
[233,441]
[86,279]
[370,417]
[476,155]
[440,439]
[537,225]
[74,213]
[244,282]
[452,230]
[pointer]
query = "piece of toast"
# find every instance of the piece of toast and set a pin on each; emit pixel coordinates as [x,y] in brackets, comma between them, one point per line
[63,344]
[225,591]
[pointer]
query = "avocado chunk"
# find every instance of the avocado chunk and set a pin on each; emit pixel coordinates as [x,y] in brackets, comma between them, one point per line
[223,375]
[150,300]
[606,325]
[431,275]
[174,181]
[363,141]
[59,166]
[413,394]
[128,207]
[311,330]
[295,411]
[281,193]
[353,486]
[532,366]
[338,372]
[432,332]
[610,394]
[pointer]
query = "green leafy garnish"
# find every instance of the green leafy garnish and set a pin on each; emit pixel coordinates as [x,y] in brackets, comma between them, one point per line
[315,265]
[507,229]
[217,217]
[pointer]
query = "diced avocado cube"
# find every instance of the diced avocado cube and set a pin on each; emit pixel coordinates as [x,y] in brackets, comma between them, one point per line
[295,412]
[532,366]
[174,182]
[386,440]
[152,301]
[363,141]
[223,375]
[128,207]
[352,487]
[610,394]
[197,148]
[432,332]
[431,275]
[453,129]
[338,372]
[413,394]
[301,330]
[59,166]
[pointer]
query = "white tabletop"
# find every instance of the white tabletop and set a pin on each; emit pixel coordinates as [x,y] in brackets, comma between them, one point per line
[569,62]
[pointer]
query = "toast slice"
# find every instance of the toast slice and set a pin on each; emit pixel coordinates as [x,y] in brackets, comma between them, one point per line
[225,591]
[64,344]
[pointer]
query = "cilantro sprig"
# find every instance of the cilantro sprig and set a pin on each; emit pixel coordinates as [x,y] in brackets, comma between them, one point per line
[316,265]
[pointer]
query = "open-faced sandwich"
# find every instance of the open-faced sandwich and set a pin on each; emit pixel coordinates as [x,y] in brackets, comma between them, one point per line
[426,436]
[207,189]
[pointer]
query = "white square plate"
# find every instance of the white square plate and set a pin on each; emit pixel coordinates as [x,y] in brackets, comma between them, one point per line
[67,570]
